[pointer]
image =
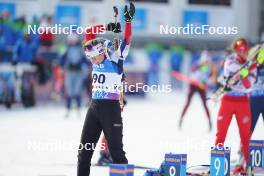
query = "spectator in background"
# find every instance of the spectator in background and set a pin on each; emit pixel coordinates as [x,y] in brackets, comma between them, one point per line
[24,50]
[47,38]
[7,85]
[6,24]
[35,36]
[19,28]
[176,58]
[47,54]
[2,39]
[3,46]
[7,74]
[74,63]
[13,29]
[154,52]
[57,83]
[11,32]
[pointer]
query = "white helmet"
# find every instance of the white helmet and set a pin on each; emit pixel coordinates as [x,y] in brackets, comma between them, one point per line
[95,47]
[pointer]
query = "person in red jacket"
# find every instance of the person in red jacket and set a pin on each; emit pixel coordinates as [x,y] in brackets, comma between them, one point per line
[236,100]
[47,38]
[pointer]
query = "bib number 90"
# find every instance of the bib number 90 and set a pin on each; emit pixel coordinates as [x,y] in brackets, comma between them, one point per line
[99,78]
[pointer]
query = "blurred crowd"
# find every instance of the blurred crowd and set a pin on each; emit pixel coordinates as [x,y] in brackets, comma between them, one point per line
[29,62]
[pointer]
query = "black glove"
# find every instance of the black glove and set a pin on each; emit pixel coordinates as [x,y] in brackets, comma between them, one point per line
[129,13]
[114,27]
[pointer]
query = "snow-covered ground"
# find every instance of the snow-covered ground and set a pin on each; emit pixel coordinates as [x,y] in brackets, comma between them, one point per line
[40,141]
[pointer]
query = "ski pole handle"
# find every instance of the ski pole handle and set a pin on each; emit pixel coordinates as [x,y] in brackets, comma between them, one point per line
[116,44]
[115,13]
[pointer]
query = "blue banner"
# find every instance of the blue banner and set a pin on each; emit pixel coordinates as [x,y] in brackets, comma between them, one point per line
[67,15]
[10,7]
[197,18]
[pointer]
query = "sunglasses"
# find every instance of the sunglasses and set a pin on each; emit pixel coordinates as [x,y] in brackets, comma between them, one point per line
[88,47]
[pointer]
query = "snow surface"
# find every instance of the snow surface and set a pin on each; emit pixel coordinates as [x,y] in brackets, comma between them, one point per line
[40,141]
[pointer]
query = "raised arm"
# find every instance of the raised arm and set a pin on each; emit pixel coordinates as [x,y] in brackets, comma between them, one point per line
[128,33]
[125,44]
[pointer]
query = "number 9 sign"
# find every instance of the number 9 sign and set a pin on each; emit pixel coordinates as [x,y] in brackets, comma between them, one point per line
[172,165]
[217,165]
[220,162]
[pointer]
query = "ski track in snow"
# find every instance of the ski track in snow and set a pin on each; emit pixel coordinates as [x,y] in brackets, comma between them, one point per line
[150,131]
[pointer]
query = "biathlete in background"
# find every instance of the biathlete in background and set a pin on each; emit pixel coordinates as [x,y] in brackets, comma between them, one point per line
[256,97]
[257,93]
[235,100]
[104,113]
[202,73]
[74,63]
